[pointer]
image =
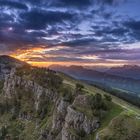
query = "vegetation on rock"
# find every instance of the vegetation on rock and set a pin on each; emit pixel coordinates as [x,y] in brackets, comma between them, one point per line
[38,103]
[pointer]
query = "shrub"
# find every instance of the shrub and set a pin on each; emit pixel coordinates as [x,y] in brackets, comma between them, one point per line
[97,101]
[67,94]
[99,105]
[79,88]
[1,86]
[81,133]
[108,98]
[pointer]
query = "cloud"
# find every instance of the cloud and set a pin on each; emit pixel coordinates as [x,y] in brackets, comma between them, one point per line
[122,55]
[81,27]
[79,42]
[13,4]
[134,27]
[39,19]
[132,24]
[74,3]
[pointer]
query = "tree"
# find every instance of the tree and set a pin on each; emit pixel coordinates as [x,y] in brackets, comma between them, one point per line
[67,94]
[97,101]
[79,87]
[108,98]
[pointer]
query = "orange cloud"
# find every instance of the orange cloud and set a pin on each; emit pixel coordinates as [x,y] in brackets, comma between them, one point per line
[39,52]
[24,55]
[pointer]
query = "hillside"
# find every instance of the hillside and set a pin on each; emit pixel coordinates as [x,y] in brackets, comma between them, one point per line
[123,127]
[41,104]
[105,78]
[120,86]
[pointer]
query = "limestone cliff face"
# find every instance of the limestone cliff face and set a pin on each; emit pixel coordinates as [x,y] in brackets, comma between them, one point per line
[67,123]
[60,114]
[12,82]
[77,122]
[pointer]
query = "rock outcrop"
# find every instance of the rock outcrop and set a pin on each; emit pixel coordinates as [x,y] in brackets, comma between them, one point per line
[79,123]
[14,82]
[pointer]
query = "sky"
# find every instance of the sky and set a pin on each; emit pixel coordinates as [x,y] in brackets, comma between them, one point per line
[71,32]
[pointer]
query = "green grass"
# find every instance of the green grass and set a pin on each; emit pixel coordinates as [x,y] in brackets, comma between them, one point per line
[123,126]
[17,128]
[46,122]
[114,111]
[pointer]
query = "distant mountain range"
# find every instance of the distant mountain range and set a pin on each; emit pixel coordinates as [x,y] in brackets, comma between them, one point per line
[126,71]
[125,78]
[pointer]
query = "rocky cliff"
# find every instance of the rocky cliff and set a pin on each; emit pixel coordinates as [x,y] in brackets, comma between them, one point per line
[66,120]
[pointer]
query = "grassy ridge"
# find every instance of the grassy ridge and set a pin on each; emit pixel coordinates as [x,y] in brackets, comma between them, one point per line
[118,106]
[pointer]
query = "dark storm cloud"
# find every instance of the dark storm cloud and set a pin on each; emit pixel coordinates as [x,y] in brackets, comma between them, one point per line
[62,3]
[39,19]
[75,3]
[5,20]
[132,24]
[79,42]
[12,38]
[13,4]
[109,2]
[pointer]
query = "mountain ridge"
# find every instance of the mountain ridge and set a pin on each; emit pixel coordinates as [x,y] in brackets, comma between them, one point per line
[117,81]
[130,71]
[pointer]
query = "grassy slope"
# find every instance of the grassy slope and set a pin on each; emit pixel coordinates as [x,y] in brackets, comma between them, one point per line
[115,111]
[118,105]
[92,90]
[125,126]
